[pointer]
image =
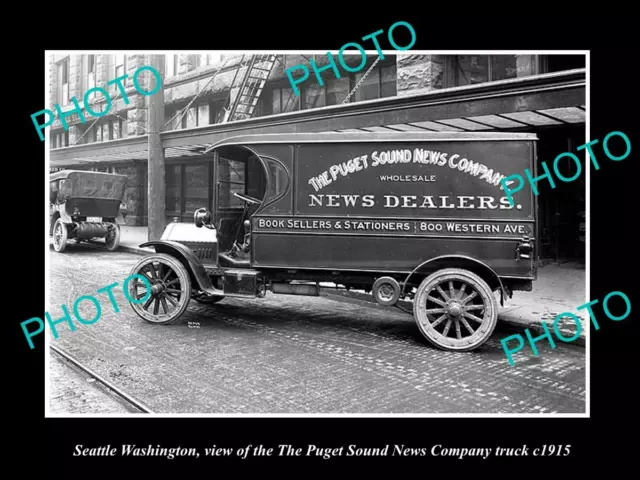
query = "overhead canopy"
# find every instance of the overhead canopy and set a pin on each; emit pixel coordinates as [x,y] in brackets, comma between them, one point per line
[520,103]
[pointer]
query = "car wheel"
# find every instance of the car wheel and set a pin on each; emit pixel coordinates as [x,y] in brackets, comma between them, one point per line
[112,239]
[170,289]
[60,236]
[455,310]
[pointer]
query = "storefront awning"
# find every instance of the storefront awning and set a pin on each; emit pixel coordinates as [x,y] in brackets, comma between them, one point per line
[535,101]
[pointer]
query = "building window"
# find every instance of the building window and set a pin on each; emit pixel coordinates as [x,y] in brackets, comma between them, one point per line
[388,81]
[106,130]
[173,192]
[204,117]
[171,65]
[123,127]
[197,116]
[88,73]
[188,188]
[208,59]
[121,64]
[284,100]
[369,89]
[191,118]
[314,96]
[472,69]
[380,83]
[62,81]
[558,63]
[197,187]
[337,90]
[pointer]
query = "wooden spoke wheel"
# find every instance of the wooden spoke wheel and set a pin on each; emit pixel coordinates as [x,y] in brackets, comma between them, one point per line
[112,239]
[60,236]
[170,289]
[455,310]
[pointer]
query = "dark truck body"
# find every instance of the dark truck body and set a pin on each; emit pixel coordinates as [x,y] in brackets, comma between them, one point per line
[399,215]
[390,217]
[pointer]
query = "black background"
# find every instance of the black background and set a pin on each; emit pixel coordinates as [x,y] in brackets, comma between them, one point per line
[606,437]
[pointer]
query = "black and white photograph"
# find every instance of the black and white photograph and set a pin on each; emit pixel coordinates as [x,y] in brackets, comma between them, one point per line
[317,233]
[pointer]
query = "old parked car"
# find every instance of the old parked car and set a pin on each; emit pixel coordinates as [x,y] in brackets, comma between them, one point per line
[420,217]
[86,205]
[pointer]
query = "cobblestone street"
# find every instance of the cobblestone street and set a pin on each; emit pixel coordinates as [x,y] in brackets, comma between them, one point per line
[73,391]
[288,354]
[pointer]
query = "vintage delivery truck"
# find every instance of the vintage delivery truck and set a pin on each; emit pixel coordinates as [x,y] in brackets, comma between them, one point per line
[417,217]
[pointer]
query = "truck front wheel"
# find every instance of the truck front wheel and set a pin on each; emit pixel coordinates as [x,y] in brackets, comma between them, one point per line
[455,310]
[170,289]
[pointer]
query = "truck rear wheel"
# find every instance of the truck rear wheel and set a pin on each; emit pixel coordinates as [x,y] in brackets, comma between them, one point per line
[455,310]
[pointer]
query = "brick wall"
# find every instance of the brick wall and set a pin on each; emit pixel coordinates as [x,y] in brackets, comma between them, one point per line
[419,73]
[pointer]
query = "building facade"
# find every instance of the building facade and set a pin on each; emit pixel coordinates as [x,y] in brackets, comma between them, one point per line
[195,100]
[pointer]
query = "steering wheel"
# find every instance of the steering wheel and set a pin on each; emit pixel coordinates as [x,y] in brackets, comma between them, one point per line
[247,198]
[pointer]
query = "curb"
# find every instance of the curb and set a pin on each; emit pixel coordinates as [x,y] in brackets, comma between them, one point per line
[361,298]
[121,248]
[136,250]
[536,329]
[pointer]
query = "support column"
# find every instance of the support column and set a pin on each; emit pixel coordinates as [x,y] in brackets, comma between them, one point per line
[155,165]
[53,82]
[419,73]
[75,78]
[137,118]
[102,70]
[526,65]
[74,134]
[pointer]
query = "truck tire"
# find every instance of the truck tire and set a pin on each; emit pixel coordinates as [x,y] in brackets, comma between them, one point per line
[171,289]
[60,236]
[112,239]
[455,310]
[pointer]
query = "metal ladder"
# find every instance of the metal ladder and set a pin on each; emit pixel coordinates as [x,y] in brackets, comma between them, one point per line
[250,88]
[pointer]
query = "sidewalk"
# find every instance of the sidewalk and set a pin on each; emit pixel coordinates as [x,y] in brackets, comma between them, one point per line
[131,237]
[559,288]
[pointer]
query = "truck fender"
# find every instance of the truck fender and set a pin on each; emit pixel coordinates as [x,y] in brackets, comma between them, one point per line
[188,259]
[463,261]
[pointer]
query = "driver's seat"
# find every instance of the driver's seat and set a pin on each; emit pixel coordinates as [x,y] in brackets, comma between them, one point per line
[236,257]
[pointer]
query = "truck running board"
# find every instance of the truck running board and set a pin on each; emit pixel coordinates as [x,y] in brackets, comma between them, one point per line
[308,290]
